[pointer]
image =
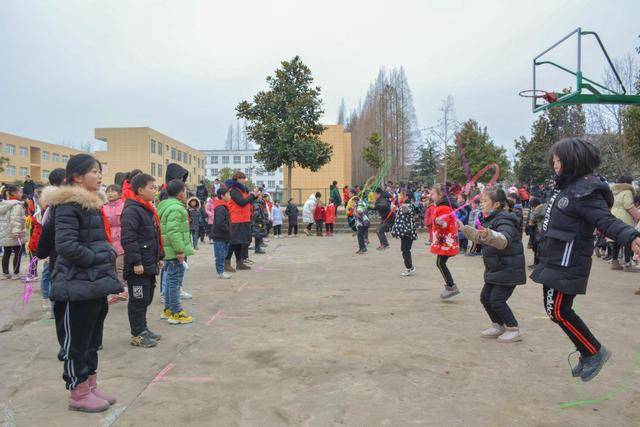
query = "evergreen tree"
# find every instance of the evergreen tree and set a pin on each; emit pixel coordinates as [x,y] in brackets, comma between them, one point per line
[425,169]
[373,153]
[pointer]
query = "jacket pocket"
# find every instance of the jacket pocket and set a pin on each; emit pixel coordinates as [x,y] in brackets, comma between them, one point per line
[558,247]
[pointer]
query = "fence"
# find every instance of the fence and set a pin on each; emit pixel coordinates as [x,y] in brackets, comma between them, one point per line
[300,195]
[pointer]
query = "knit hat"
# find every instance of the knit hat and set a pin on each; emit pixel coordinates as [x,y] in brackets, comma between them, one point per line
[80,164]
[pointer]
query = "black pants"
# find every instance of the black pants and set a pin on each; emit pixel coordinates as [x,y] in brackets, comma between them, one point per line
[79,325]
[329,227]
[319,227]
[441,263]
[277,230]
[405,247]
[309,225]
[362,237]
[616,253]
[256,245]
[463,243]
[17,257]
[236,249]
[294,228]
[382,229]
[494,299]
[140,296]
[559,308]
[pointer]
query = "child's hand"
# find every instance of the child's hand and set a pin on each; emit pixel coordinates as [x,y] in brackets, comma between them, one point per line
[138,269]
[161,264]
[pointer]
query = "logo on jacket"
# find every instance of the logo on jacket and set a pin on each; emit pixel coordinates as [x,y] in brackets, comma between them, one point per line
[563,203]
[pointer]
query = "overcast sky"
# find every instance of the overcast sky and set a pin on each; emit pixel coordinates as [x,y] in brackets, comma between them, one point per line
[181,67]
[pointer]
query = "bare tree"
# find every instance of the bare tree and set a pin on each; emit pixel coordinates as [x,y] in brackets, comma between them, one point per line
[229,141]
[444,131]
[342,112]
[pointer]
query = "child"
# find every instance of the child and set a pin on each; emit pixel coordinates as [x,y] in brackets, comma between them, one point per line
[209,208]
[178,245]
[319,216]
[276,219]
[330,217]
[504,264]
[220,231]
[444,238]
[362,225]
[143,252]
[12,230]
[462,213]
[308,211]
[202,228]
[580,203]
[474,219]
[292,214]
[259,220]
[404,227]
[194,220]
[83,276]
[113,211]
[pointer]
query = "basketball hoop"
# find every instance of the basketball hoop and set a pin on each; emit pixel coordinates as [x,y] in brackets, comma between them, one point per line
[547,96]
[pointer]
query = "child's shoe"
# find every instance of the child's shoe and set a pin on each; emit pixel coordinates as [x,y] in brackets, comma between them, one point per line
[5,277]
[180,318]
[153,335]
[242,266]
[449,291]
[143,340]
[630,268]
[83,400]
[224,276]
[228,268]
[511,334]
[493,332]
[15,276]
[259,252]
[408,272]
[93,386]
[165,314]
[593,364]
[615,265]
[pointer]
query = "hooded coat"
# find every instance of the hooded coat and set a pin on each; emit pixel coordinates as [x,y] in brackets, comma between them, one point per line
[175,228]
[85,267]
[12,222]
[623,202]
[308,209]
[195,216]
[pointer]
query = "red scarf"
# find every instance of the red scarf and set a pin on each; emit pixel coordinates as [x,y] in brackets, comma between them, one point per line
[107,226]
[127,193]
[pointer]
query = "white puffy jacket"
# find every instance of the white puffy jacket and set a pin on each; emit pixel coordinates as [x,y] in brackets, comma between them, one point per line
[308,208]
[12,223]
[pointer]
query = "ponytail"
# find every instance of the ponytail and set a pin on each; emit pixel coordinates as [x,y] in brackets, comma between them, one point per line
[498,196]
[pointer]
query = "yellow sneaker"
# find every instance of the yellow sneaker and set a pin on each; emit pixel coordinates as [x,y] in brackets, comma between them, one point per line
[180,318]
[165,314]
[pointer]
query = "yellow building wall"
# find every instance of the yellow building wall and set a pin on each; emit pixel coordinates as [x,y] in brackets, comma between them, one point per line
[41,157]
[130,148]
[304,181]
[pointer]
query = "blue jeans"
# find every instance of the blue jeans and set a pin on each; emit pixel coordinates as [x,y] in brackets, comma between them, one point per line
[175,274]
[194,238]
[220,250]
[45,281]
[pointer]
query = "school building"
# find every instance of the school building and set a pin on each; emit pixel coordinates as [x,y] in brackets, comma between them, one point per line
[150,151]
[31,157]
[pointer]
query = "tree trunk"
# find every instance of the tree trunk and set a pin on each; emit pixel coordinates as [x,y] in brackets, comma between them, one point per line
[289,189]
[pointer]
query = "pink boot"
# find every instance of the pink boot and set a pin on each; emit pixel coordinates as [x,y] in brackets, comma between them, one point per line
[83,400]
[93,386]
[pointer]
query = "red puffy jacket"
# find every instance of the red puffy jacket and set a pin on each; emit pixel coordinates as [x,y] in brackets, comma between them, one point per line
[36,232]
[444,232]
[331,214]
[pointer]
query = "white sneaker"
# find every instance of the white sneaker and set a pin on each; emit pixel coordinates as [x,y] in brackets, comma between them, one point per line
[15,276]
[449,291]
[510,335]
[184,294]
[5,277]
[224,276]
[493,332]
[409,272]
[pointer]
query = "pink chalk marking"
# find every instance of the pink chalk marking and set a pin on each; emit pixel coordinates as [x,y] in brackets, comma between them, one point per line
[215,316]
[187,379]
[238,317]
[242,286]
[160,376]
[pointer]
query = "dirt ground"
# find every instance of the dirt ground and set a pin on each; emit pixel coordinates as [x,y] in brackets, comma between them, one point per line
[316,335]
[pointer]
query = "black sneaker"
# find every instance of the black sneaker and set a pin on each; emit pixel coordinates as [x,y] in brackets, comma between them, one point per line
[576,371]
[143,340]
[259,251]
[153,335]
[593,364]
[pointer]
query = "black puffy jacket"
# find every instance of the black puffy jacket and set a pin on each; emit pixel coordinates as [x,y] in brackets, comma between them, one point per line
[221,221]
[573,212]
[139,240]
[504,266]
[85,268]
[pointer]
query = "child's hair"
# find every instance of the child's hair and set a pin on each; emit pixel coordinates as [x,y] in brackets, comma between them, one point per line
[578,157]
[499,196]
[141,180]
[8,189]
[534,202]
[175,187]
[114,187]
[330,200]
[624,179]
[442,192]
[79,165]
[222,191]
[195,201]
[276,201]
[238,175]
[133,174]
[318,195]
[57,177]
[289,201]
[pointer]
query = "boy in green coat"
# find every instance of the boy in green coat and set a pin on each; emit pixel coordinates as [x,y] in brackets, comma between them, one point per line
[177,245]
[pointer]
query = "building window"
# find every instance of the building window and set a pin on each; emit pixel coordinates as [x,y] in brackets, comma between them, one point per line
[213,159]
[173,153]
[236,160]
[190,159]
[65,159]
[225,160]
[11,170]
[56,157]
[11,149]
[24,172]
[45,155]
[214,172]
[153,169]
[160,169]
[259,183]
[45,174]
[24,151]
[248,159]
[271,184]
[160,148]
[153,146]
[179,155]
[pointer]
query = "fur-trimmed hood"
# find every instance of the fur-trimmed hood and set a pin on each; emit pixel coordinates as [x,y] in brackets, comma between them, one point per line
[197,202]
[74,194]
[619,188]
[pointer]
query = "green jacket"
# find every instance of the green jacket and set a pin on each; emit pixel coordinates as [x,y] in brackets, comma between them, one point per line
[335,195]
[175,228]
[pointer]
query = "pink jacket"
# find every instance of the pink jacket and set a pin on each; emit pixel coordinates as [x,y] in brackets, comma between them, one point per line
[208,207]
[113,211]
